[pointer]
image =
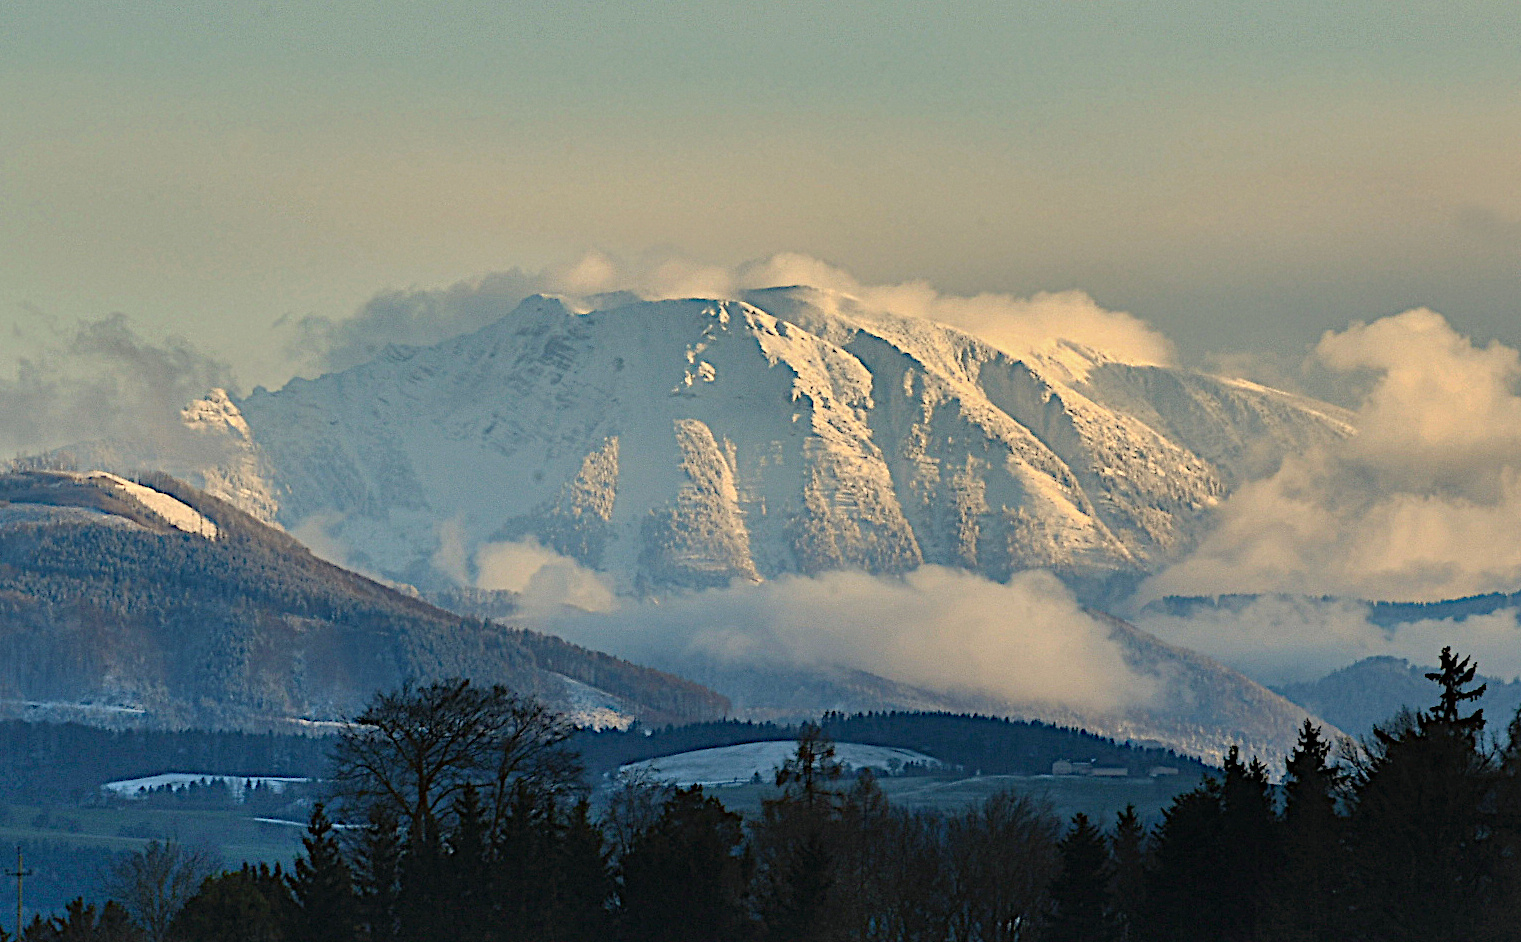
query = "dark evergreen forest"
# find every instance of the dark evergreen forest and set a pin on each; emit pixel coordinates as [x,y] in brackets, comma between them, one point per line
[975,744]
[474,825]
[66,763]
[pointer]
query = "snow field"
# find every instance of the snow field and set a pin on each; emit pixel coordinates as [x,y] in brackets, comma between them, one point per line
[138,787]
[732,765]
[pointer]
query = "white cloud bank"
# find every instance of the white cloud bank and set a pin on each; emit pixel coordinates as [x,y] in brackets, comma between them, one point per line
[942,629]
[1423,504]
[543,578]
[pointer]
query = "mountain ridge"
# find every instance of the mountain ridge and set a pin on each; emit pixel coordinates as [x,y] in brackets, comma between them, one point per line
[683,444]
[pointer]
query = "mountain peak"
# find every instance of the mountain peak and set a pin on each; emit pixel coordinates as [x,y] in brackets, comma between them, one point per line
[687,442]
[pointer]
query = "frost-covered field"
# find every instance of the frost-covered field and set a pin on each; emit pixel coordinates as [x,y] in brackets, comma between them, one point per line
[137,787]
[728,765]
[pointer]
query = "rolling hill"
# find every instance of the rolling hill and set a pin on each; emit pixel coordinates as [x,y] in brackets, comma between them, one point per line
[152,603]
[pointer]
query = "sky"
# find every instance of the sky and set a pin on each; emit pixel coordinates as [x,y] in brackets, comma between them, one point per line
[1243,177]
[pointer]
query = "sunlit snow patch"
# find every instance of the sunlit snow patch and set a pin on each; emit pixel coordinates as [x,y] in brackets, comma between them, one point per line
[174,512]
[729,765]
[593,708]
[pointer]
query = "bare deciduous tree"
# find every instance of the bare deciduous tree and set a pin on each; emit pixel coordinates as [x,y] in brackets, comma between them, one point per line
[154,883]
[413,751]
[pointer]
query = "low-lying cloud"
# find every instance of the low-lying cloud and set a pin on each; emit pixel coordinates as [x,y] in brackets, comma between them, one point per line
[1424,503]
[940,629]
[544,580]
[1017,325]
[1282,639]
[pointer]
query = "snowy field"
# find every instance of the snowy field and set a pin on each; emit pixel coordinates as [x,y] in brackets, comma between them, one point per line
[729,765]
[137,787]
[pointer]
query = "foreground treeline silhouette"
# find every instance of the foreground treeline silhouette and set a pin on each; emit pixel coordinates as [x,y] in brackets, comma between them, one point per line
[470,824]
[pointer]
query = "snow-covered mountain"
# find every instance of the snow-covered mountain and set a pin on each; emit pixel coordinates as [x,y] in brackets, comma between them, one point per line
[690,443]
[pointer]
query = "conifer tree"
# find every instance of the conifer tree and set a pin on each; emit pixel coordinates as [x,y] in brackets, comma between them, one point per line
[466,902]
[1080,910]
[1424,856]
[800,909]
[809,774]
[1181,904]
[1453,675]
[1309,893]
[1248,845]
[795,838]
[582,884]
[523,866]
[377,872]
[684,879]
[251,904]
[1127,850]
[1507,836]
[323,886]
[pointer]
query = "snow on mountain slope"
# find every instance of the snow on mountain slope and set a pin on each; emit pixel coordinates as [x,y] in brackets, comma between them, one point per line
[691,443]
[172,511]
[45,498]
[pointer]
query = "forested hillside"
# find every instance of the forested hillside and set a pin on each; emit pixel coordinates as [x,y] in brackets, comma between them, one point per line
[983,744]
[105,602]
[1361,695]
[48,763]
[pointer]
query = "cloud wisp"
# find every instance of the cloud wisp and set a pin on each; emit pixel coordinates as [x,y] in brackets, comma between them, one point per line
[1277,639]
[544,580]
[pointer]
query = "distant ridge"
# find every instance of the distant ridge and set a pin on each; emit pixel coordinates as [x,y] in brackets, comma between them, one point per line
[1383,614]
[985,744]
[1372,691]
[152,603]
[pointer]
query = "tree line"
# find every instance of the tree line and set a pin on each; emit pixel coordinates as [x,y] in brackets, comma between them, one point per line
[467,822]
[986,744]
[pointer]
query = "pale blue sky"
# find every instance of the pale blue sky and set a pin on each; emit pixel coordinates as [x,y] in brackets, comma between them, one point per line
[1241,175]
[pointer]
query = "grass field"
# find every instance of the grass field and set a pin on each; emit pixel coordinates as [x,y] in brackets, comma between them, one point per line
[232,834]
[71,849]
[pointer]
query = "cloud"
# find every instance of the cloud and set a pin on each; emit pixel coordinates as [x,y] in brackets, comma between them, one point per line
[1423,503]
[318,533]
[102,381]
[543,578]
[1026,641]
[1017,325]
[417,317]
[429,316]
[1285,639]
